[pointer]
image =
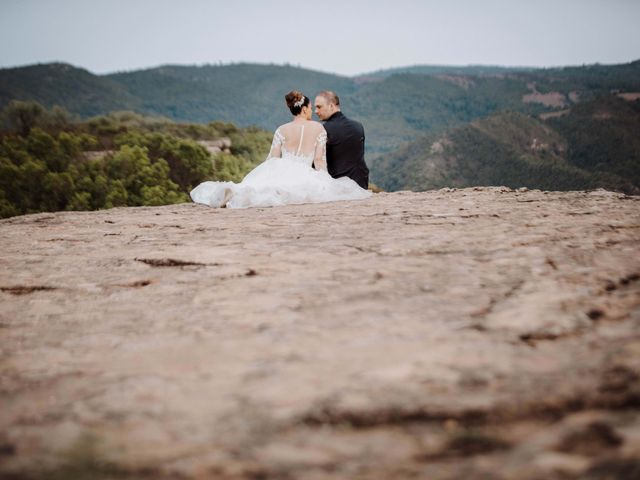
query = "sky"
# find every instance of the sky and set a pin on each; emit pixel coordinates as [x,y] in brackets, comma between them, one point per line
[346,37]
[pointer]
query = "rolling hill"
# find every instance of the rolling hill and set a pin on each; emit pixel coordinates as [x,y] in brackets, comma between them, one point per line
[245,94]
[77,90]
[593,145]
[400,105]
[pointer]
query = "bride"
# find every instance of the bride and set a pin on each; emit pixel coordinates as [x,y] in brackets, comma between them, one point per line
[287,175]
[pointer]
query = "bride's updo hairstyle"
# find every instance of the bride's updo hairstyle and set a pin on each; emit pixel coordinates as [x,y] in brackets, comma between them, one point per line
[295,101]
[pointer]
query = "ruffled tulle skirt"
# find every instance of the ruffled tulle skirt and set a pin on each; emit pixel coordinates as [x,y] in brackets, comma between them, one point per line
[279,181]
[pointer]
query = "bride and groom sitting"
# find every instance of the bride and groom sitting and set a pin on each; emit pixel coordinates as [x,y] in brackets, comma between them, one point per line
[308,162]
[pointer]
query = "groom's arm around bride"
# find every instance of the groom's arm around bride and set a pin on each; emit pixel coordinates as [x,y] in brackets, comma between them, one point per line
[345,140]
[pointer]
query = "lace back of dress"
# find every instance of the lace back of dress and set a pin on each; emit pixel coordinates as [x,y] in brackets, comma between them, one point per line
[297,145]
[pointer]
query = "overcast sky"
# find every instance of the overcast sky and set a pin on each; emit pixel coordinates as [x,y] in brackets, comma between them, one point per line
[339,36]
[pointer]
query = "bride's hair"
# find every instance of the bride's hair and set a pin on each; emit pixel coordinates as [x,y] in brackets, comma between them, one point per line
[295,101]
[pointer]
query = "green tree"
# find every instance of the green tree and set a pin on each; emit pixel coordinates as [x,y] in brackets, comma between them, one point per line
[23,116]
[117,196]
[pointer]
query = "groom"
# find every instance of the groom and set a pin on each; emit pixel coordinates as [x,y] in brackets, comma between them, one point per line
[345,140]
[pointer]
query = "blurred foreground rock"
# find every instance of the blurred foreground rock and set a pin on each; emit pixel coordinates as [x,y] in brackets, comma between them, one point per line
[476,333]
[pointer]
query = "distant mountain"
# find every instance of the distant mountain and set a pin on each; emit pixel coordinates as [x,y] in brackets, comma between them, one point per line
[588,79]
[596,144]
[474,70]
[75,89]
[395,109]
[603,136]
[244,94]
[405,106]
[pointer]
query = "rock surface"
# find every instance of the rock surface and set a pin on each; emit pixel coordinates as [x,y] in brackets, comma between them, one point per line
[476,333]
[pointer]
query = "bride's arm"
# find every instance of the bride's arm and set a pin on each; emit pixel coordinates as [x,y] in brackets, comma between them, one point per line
[320,156]
[276,145]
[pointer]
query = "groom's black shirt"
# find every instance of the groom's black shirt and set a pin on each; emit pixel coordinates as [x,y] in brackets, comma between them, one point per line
[345,149]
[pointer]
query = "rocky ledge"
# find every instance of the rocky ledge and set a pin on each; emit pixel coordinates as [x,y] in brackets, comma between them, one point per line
[476,333]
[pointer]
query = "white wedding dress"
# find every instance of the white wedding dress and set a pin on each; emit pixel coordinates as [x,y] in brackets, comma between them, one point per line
[286,176]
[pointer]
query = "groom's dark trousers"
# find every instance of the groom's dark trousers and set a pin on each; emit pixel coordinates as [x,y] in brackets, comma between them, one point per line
[345,149]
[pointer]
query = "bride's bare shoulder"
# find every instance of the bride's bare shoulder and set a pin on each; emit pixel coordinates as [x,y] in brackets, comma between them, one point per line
[284,126]
[310,126]
[316,125]
[284,130]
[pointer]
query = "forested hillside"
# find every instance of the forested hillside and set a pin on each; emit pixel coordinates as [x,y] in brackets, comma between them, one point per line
[75,89]
[473,70]
[48,163]
[244,94]
[594,145]
[603,136]
[397,107]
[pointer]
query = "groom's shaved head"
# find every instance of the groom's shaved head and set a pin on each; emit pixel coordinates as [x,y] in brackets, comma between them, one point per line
[330,97]
[327,103]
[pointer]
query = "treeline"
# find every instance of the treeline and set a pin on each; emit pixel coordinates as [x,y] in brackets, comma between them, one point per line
[49,161]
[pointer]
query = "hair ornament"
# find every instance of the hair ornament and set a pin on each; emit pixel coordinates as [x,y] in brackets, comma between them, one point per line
[300,102]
